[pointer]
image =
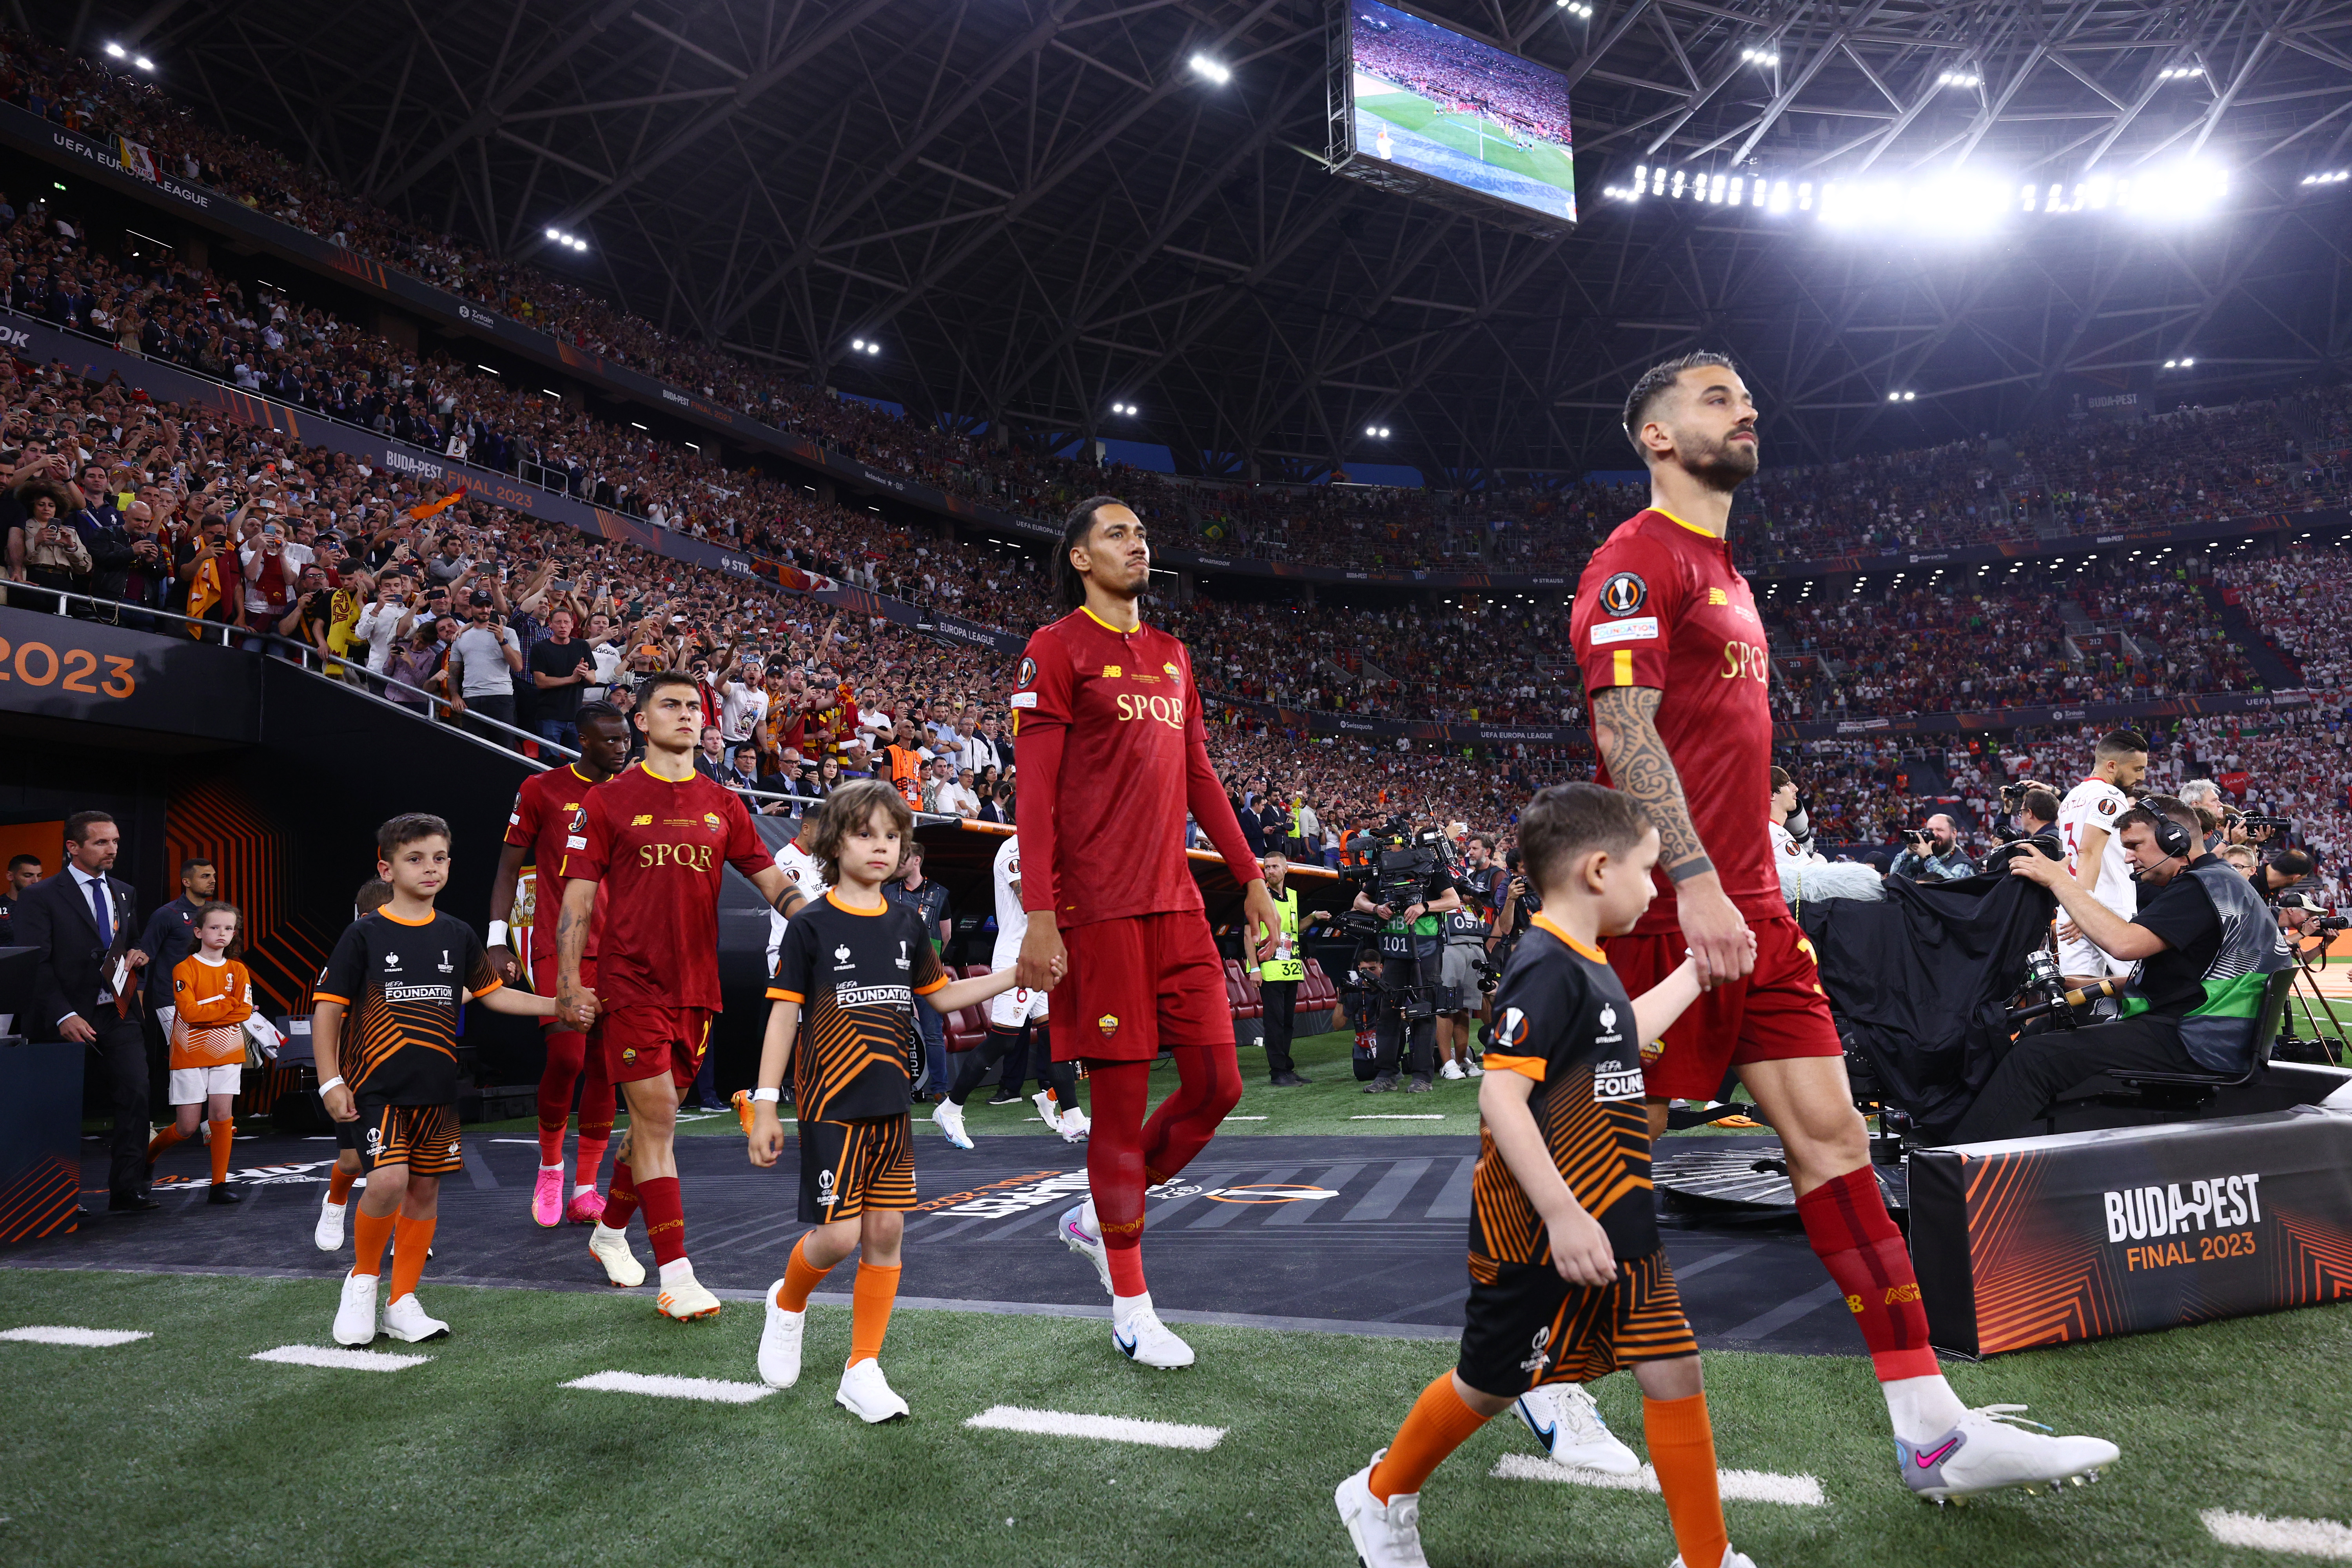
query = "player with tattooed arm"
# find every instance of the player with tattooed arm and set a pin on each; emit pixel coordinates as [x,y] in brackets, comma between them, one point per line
[1675,661]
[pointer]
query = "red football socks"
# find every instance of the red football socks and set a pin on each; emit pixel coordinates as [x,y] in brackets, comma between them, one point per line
[224,1132]
[665,1217]
[801,1277]
[1208,1085]
[412,1240]
[1124,1155]
[621,1198]
[369,1233]
[871,1300]
[1855,1238]
[592,1155]
[1682,1450]
[1439,1424]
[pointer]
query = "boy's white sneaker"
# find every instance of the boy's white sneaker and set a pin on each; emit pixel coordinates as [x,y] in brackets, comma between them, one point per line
[779,1344]
[866,1393]
[1386,1534]
[327,1234]
[1568,1424]
[1074,1126]
[948,1116]
[355,1314]
[407,1318]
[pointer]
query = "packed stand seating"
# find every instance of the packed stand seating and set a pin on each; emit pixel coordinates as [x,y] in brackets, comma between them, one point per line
[2302,601]
[2199,464]
[2139,632]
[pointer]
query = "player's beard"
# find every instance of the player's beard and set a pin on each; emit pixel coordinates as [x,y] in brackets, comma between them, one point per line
[1721,465]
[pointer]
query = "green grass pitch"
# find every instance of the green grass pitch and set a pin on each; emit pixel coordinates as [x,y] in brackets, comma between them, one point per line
[178,1449]
[1411,111]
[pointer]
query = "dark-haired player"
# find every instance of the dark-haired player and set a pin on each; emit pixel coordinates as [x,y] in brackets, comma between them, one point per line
[400,976]
[1569,1278]
[852,968]
[1112,754]
[546,808]
[657,839]
[1676,669]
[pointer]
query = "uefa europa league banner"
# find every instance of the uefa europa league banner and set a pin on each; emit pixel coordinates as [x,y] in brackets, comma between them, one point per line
[2045,1241]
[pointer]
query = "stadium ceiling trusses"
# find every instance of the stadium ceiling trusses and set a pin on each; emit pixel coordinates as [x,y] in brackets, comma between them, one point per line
[1042,211]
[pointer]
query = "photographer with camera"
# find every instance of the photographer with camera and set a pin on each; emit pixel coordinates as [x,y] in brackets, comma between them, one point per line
[1408,890]
[2031,807]
[1480,880]
[1933,853]
[2202,949]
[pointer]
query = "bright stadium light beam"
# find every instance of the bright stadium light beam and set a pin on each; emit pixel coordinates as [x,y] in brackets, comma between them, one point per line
[116,50]
[143,62]
[1214,70]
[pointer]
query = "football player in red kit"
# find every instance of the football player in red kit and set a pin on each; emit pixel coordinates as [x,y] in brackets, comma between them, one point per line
[1112,754]
[547,808]
[1674,663]
[657,839]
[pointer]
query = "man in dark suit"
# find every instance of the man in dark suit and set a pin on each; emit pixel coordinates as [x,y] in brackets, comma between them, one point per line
[83,920]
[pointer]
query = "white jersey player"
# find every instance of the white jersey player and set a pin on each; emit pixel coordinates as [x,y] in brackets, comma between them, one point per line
[2094,851]
[1011,1014]
[802,872]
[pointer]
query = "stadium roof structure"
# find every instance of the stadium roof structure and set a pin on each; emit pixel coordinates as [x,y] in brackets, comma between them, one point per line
[1042,213]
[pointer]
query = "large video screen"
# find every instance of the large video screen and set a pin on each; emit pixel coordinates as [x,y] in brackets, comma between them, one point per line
[1428,98]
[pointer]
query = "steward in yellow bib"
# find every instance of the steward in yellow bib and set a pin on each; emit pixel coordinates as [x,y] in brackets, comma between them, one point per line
[1280,973]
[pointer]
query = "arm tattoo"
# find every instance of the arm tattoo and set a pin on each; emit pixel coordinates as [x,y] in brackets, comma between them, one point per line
[1624,720]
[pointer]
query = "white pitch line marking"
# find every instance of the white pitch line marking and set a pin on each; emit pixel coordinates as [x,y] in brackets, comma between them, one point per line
[1739,1486]
[1438,1116]
[1104,1428]
[1245,1118]
[712,1389]
[339,1359]
[49,1334]
[2302,1537]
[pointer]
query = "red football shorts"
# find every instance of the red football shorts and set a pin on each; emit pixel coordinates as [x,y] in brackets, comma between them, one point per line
[646,1042]
[1136,984]
[1777,1012]
[542,973]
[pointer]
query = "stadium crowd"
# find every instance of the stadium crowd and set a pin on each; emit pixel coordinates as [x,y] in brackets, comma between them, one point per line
[1460,73]
[2188,464]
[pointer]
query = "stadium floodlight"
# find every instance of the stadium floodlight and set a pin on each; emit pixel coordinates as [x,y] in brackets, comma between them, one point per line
[2179,73]
[1576,9]
[1377,430]
[2178,363]
[1216,71]
[143,62]
[2333,177]
[1960,78]
[857,343]
[1764,57]
[553,235]
[116,50]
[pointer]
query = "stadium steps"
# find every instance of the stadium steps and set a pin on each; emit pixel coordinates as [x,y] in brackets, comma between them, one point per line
[2277,668]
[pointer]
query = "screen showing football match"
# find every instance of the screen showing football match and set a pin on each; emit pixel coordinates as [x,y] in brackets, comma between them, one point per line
[1430,99]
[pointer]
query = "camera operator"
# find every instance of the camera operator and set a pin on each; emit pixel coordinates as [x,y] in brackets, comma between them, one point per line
[1933,853]
[2035,812]
[1411,943]
[1479,880]
[2284,870]
[2202,946]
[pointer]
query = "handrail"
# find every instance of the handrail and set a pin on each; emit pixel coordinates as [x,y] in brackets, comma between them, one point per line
[231,635]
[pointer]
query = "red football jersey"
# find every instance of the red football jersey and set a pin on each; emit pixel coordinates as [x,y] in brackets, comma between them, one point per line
[546,813]
[662,850]
[1108,739]
[1661,606]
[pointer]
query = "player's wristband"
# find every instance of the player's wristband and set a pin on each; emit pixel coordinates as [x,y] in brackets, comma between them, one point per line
[335,1082]
[497,933]
[1689,869]
[767,1096]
